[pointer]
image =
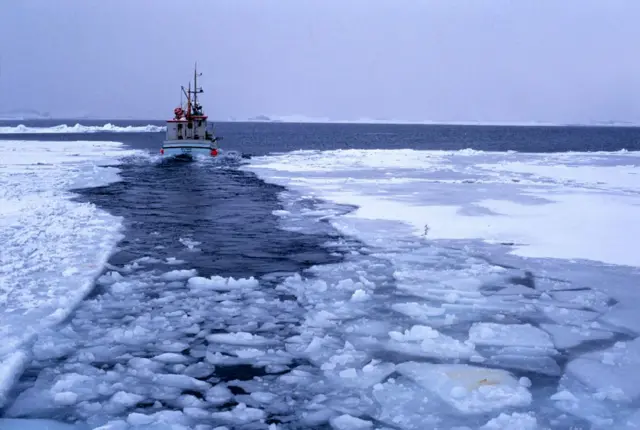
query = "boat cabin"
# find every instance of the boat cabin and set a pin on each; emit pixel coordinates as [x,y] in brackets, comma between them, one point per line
[194,128]
[189,127]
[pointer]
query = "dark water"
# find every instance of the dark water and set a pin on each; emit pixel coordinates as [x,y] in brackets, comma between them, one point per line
[263,138]
[227,210]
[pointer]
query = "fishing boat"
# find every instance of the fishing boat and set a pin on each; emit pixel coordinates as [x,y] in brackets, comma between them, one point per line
[190,133]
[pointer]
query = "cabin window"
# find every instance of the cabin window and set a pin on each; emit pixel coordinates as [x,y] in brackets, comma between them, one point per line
[189,125]
[199,123]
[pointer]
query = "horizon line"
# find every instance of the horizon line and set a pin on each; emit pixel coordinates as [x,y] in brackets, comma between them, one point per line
[357,122]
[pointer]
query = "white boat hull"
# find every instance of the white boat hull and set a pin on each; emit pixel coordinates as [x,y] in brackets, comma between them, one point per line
[189,148]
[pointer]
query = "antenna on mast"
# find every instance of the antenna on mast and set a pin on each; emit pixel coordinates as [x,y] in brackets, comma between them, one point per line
[196,90]
[189,101]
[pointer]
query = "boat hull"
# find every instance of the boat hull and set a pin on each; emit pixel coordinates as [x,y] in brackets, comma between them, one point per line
[187,149]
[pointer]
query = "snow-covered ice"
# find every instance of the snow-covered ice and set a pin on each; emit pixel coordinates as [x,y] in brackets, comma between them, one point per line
[52,248]
[566,205]
[79,128]
[511,262]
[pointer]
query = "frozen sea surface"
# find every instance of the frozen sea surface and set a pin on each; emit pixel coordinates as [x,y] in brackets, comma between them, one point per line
[388,289]
[44,270]
[521,262]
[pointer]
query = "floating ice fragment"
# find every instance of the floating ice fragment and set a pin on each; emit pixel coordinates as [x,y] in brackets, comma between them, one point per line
[65,398]
[564,396]
[179,275]
[359,296]
[240,414]
[218,395]
[238,338]
[348,422]
[171,357]
[138,419]
[486,389]
[218,283]
[180,381]
[425,341]
[509,335]
[512,421]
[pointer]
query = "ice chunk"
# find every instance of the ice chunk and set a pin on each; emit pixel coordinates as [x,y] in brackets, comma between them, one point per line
[509,335]
[623,316]
[180,381]
[565,337]
[10,369]
[425,341]
[109,278]
[360,296]
[141,363]
[467,388]
[179,275]
[347,422]
[218,395]
[419,311]
[65,398]
[189,243]
[610,373]
[172,346]
[197,413]
[138,419]
[515,420]
[240,414]
[563,315]
[170,357]
[126,399]
[199,370]
[371,374]
[262,396]
[239,338]
[174,261]
[403,404]
[218,283]
[564,396]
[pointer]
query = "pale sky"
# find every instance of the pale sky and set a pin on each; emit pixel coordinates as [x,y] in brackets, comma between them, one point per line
[475,60]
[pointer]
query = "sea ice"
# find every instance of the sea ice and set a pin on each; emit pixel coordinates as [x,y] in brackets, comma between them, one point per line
[52,248]
[469,389]
[328,346]
[435,191]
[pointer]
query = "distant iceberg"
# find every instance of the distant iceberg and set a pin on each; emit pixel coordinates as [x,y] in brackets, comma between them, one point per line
[258,118]
[79,128]
[23,114]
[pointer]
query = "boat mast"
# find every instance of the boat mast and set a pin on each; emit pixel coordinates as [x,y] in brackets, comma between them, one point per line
[196,90]
[189,101]
[195,85]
